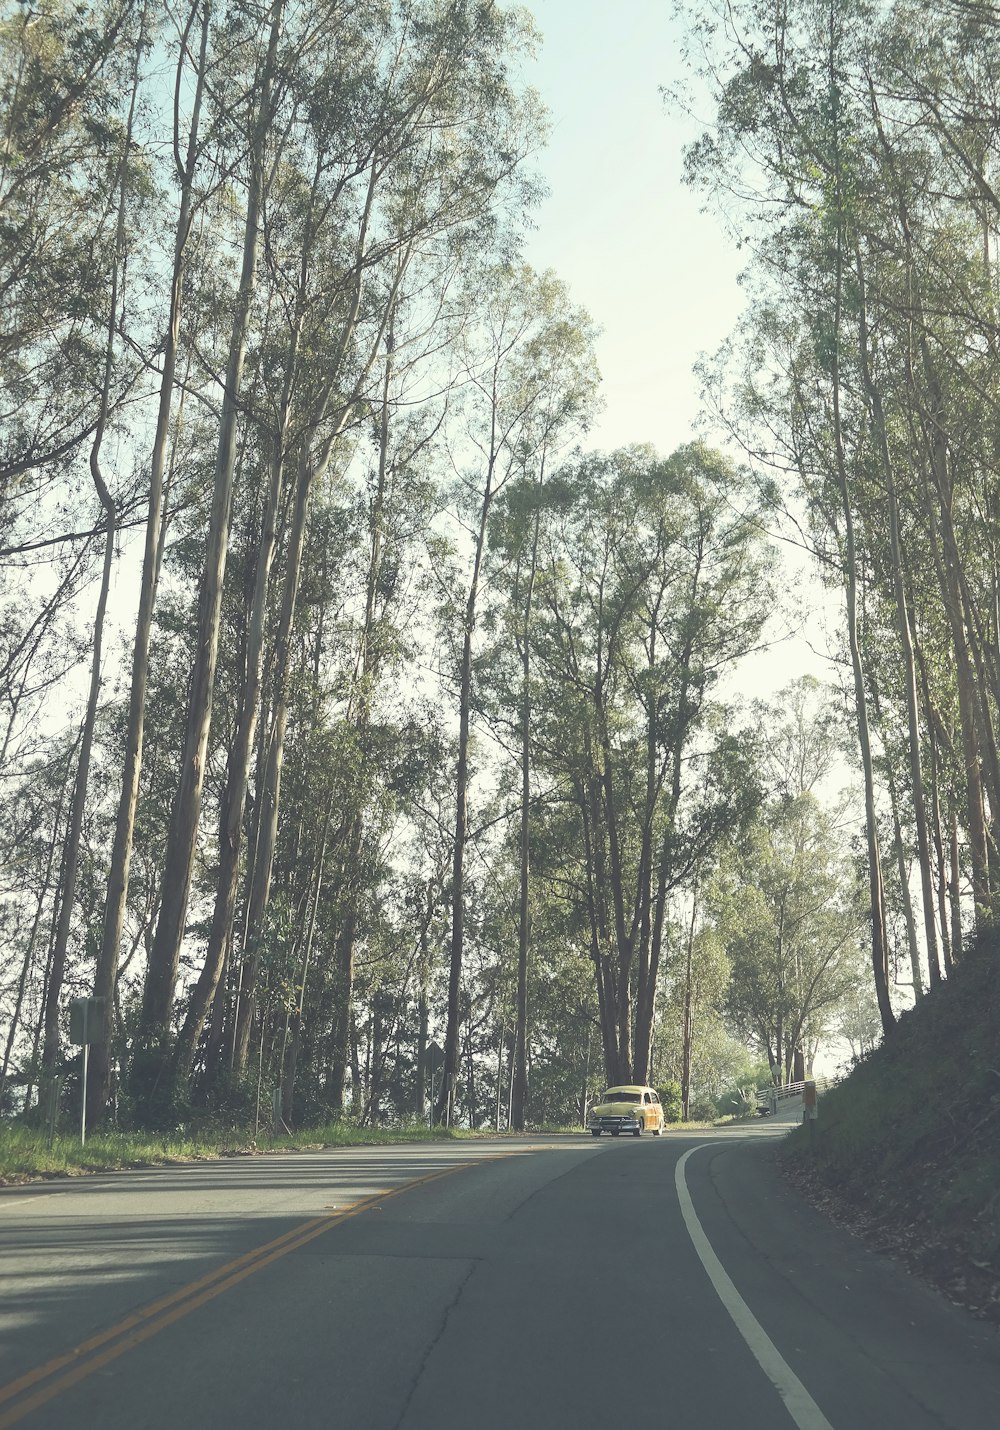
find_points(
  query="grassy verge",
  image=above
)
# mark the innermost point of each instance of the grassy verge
(907, 1149)
(25, 1155)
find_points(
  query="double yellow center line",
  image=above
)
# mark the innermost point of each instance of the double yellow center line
(37, 1386)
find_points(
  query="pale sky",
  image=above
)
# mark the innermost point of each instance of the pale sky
(619, 227)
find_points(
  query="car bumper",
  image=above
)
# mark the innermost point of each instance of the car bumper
(613, 1124)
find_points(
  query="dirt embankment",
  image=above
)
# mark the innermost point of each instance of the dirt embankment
(907, 1149)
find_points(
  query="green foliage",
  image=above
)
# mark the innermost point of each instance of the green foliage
(858, 140)
(785, 902)
(649, 584)
(741, 1100)
(669, 1094)
(702, 1109)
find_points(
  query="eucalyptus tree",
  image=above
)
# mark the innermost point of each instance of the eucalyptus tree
(656, 581)
(404, 130)
(691, 1019)
(187, 151)
(432, 167)
(390, 748)
(529, 377)
(917, 95)
(860, 359)
(63, 72)
(119, 216)
(161, 972)
(563, 357)
(73, 193)
(32, 827)
(786, 908)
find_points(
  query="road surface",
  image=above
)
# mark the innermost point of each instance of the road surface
(564, 1282)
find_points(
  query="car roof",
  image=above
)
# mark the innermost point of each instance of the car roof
(626, 1087)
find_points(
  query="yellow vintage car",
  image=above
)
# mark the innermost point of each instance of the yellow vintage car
(630, 1108)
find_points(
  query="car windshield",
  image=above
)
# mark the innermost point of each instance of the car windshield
(616, 1095)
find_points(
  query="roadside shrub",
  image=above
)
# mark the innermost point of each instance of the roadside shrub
(737, 1102)
(669, 1094)
(701, 1110)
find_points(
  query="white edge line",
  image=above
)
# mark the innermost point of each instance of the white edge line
(20, 1201)
(797, 1400)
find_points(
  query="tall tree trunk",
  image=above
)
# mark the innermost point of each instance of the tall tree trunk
(913, 948)
(423, 1020)
(687, 1031)
(593, 866)
(106, 970)
(880, 950)
(646, 1000)
(71, 857)
(241, 755)
(955, 885)
(365, 670)
(312, 468)
(942, 874)
(519, 1090)
(899, 851)
(290, 1050)
(906, 644)
(446, 1098)
(624, 939)
(645, 990)
(36, 922)
(946, 556)
(164, 956)
(938, 498)
(344, 967)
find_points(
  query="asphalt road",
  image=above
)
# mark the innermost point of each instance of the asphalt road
(573, 1282)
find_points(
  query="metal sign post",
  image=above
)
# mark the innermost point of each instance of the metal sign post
(435, 1061)
(83, 1096)
(55, 1088)
(86, 1018)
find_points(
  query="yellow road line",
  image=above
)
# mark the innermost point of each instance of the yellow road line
(162, 1313)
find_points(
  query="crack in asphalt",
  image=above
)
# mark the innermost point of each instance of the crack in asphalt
(434, 1342)
(453, 1304)
(543, 1186)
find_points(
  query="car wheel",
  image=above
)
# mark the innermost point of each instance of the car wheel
(657, 1131)
(615, 1131)
(637, 1131)
(595, 1132)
